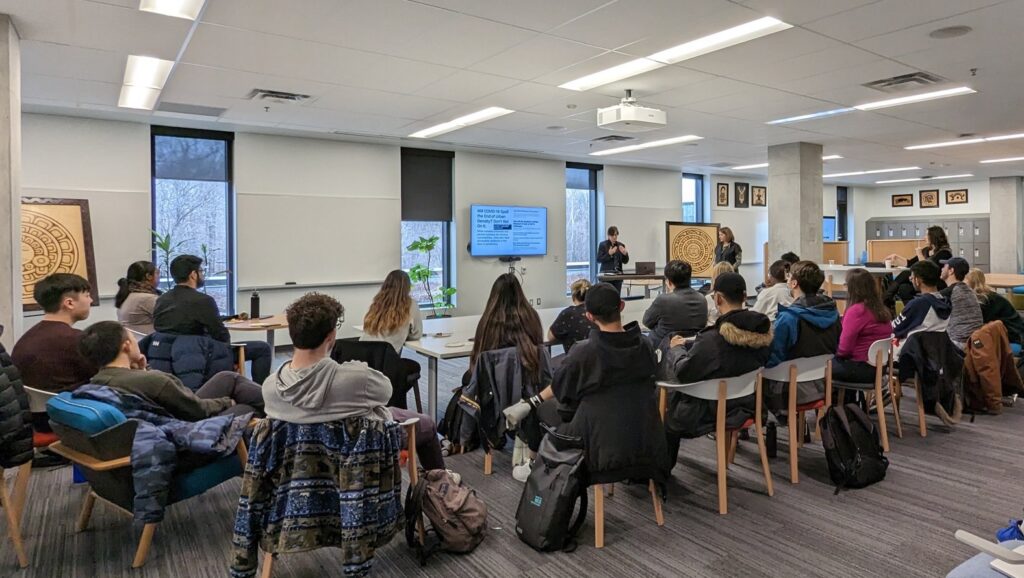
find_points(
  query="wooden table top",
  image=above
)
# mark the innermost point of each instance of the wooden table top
(629, 277)
(278, 321)
(1004, 280)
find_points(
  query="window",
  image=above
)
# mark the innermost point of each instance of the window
(437, 260)
(193, 206)
(580, 222)
(693, 198)
(841, 207)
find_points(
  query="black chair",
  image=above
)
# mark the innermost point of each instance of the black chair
(381, 356)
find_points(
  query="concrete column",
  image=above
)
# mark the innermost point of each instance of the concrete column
(1006, 197)
(10, 181)
(794, 200)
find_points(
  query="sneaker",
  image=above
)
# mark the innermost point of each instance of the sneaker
(958, 409)
(521, 473)
(940, 412)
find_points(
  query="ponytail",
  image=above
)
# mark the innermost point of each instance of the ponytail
(122, 292)
(137, 273)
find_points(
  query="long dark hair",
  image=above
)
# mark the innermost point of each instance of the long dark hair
(508, 320)
(937, 238)
(862, 288)
(391, 305)
(136, 276)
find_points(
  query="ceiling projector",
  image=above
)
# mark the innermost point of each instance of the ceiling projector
(628, 116)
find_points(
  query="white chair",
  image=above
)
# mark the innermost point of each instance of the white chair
(796, 371)
(721, 390)
(880, 357)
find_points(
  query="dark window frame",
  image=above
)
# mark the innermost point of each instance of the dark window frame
(842, 212)
(595, 236)
(698, 195)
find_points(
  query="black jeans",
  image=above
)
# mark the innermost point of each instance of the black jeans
(247, 394)
(428, 448)
(852, 372)
(259, 353)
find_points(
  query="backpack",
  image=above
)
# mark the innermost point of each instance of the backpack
(544, 516)
(852, 447)
(451, 425)
(458, 517)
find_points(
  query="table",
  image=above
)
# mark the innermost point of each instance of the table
(837, 273)
(464, 327)
(630, 278)
(270, 325)
(1004, 280)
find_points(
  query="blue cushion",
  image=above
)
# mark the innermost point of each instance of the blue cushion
(203, 478)
(85, 415)
(1019, 290)
(1015, 348)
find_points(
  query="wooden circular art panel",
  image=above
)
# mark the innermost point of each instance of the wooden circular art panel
(694, 244)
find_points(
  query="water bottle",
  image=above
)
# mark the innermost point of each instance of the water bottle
(863, 257)
(254, 305)
(772, 444)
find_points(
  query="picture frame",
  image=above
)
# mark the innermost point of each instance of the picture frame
(928, 199)
(741, 195)
(723, 194)
(956, 197)
(694, 243)
(903, 200)
(56, 237)
(758, 196)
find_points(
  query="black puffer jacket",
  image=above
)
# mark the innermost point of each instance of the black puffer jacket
(15, 419)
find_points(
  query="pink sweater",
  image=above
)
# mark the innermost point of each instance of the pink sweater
(860, 330)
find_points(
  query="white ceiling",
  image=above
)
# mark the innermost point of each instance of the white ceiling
(383, 69)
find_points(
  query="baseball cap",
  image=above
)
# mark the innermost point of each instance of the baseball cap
(732, 286)
(959, 265)
(602, 300)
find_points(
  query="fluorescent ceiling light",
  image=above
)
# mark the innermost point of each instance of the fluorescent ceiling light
(647, 145)
(462, 122)
(147, 71)
(924, 179)
(141, 97)
(831, 157)
(694, 48)
(954, 143)
(178, 8)
(872, 172)
(763, 165)
(811, 116)
(1007, 160)
(916, 98)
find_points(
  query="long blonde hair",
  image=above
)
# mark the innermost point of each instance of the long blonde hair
(392, 305)
(721, 267)
(975, 279)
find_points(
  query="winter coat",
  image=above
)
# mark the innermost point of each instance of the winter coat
(15, 419)
(738, 343)
(158, 440)
(193, 359)
(989, 372)
(605, 390)
(995, 307)
(926, 312)
(932, 357)
(307, 486)
(808, 328)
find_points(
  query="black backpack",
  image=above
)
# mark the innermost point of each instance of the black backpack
(451, 425)
(852, 447)
(544, 516)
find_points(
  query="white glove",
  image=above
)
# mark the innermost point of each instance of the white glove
(517, 413)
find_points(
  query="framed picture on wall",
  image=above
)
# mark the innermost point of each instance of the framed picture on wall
(742, 191)
(903, 200)
(723, 194)
(693, 243)
(956, 197)
(56, 237)
(929, 199)
(759, 196)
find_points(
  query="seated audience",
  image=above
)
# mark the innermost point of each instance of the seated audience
(807, 328)
(929, 311)
(136, 297)
(866, 321)
(509, 320)
(108, 345)
(680, 309)
(313, 388)
(937, 251)
(776, 292)
(965, 317)
(717, 270)
(790, 258)
(572, 324)
(995, 307)
(394, 316)
(47, 354)
(185, 311)
(739, 342)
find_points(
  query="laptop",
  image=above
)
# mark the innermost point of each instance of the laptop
(645, 268)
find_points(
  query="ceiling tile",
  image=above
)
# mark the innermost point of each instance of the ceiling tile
(195, 80)
(802, 11)
(466, 86)
(359, 100)
(62, 60)
(533, 14)
(536, 57)
(889, 16)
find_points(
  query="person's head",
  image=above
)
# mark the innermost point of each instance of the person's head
(719, 268)
(975, 279)
(392, 305)
(924, 275)
(140, 273)
(861, 287)
(954, 270)
(790, 257)
(105, 342)
(937, 238)
(613, 233)
(678, 273)
(188, 270)
(805, 278)
(64, 294)
(725, 235)
(579, 290)
(778, 271)
(604, 306)
(730, 291)
(508, 320)
(313, 321)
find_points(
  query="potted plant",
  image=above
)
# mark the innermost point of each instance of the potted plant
(166, 248)
(441, 304)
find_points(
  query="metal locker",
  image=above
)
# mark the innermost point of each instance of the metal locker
(951, 232)
(906, 230)
(966, 231)
(965, 250)
(982, 255)
(981, 231)
(891, 230)
(877, 227)
(920, 230)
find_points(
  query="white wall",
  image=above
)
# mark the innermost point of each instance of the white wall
(639, 201)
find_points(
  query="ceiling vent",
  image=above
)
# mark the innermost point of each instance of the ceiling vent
(190, 109)
(613, 138)
(906, 82)
(277, 96)
(721, 165)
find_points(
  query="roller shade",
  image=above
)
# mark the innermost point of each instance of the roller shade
(426, 185)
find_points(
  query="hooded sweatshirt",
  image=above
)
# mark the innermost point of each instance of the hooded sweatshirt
(926, 312)
(807, 328)
(736, 344)
(327, 391)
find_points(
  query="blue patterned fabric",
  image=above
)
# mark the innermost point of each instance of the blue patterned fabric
(309, 486)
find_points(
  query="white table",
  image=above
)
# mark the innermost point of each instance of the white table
(837, 273)
(463, 328)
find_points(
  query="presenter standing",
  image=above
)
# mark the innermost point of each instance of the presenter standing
(728, 250)
(612, 255)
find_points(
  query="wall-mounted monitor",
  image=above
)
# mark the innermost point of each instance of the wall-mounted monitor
(828, 229)
(508, 231)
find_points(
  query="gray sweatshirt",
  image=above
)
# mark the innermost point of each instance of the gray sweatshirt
(327, 391)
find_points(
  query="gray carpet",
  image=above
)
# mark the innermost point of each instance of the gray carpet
(969, 478)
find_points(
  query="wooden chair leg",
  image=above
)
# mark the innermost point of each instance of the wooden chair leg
(598, 516)
(144, 543)
(241, 360)
(795, 435)
(734, 440)
(818, 415)
(13, 523)
(659, 516)
(762, 448)
(723, 499)
(21, 487)
(268, 565)
(86, 513)
(896, 408)
(921, 425)
(880, 407)
(488, 462)
(611, 490)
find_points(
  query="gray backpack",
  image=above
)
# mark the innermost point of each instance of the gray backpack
(458, 517)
